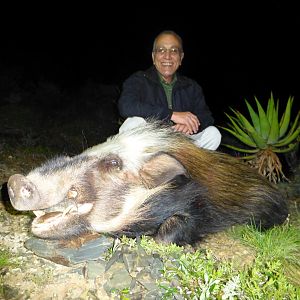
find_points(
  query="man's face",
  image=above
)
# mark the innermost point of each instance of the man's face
(167, 56)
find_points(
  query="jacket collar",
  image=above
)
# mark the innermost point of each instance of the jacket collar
(151, 73)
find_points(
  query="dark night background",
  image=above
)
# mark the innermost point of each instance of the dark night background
(234, 50)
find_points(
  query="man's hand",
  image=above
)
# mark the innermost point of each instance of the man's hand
(185, 122)
(182, 128)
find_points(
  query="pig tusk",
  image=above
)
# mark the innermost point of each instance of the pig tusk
(39, 213)
(70, 208)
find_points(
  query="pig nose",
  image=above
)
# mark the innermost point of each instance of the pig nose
(23, 193)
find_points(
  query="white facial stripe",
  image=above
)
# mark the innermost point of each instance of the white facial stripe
(130, 212)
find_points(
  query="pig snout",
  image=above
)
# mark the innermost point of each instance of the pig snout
(23, 193)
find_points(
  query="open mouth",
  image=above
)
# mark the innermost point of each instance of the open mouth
(51, 217)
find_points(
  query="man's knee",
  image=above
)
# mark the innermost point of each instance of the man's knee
(215, 135)
(209, 138)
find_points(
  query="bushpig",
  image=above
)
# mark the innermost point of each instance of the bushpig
(146, 181)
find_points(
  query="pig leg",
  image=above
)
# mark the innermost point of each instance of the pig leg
(178, 229)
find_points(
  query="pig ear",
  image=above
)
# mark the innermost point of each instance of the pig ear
(160, 169)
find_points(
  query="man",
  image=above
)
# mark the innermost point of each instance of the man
(162, 93)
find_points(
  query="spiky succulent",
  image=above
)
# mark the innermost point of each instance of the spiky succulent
(264, 136)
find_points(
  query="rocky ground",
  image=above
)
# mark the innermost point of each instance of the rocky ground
(81, 270)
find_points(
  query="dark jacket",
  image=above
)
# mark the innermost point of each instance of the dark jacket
(143, 96)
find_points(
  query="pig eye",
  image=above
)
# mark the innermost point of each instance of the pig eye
(111, 163)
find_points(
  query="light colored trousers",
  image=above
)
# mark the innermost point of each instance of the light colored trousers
(209, 138)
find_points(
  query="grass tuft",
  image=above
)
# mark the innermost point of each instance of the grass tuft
(280, 243)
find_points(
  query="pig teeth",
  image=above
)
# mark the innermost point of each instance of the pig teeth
(78, 208)
(69, 209)
(39, 213)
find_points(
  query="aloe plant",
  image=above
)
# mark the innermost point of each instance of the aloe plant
(265, 135)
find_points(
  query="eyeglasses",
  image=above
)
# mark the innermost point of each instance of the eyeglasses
(172, 51)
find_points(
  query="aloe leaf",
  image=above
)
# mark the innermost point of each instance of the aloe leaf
(259, 141)
(248, 157)
(237, 121)
(270, 109)
(254, 117)
(274, 130)
(288, 139)
(241, 149)
(246, 140)
(264, 122)
(237, 126)
(236, 118)
(281, 119)
(286, 118)
(256, 137)
(295, 124)
(277, 108)
(245, 123)
(229, 125)
(288, 149)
